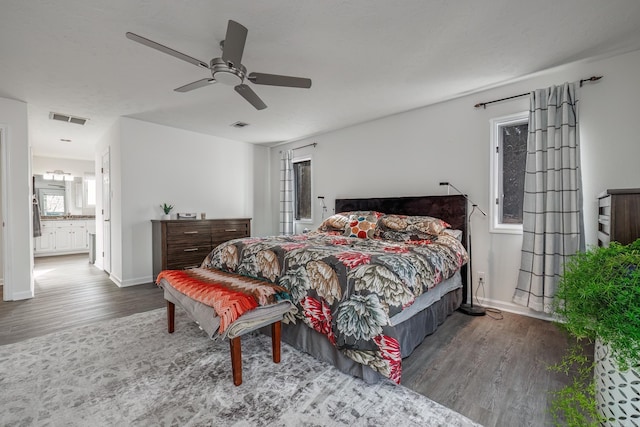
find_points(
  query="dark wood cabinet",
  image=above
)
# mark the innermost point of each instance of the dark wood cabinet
(184, 243)
(619, 216)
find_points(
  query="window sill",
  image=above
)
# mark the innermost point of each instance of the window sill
(506, 229)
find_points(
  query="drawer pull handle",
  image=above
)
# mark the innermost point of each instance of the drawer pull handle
(189, 267)
(191, 250)
(230, 230)
(190, 232)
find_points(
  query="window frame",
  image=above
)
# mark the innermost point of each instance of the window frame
(496, 226)
(295, 191)
(89, 185)
(44, 194)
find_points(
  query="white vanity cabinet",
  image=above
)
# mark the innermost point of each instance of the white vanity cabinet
(63, 236)
(47, 241)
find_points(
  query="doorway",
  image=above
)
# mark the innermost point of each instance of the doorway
(64, 189)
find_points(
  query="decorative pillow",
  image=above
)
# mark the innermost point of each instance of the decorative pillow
(362, 226)
(337, 222)
(375, 214)
(404, 228)
(456, 234)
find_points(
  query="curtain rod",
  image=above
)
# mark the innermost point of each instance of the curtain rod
(484, 104)
(303, 146)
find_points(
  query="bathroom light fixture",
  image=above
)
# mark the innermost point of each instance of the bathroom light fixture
(58, 175)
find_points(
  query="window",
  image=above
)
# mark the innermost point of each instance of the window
(89, 190)
(509, 148)
(302, 189)
(52, 202)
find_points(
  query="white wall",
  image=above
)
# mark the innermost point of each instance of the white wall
(153, 164)
(410, 153)
(3, 167)
(18, 280)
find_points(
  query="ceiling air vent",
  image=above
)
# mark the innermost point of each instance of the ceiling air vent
(239, 124)
(67, 118)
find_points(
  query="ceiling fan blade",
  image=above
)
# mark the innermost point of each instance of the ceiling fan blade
(167, 50)
(234, 43)
(248, 94)
(195, 85)
(276, 80)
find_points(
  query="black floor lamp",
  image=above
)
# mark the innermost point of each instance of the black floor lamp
(469, 308)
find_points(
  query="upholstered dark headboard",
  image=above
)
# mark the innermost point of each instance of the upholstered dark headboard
(452, 209)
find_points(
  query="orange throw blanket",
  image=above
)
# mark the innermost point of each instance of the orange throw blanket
(230, 295)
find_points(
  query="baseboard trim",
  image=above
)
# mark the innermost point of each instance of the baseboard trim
(131, 282)
(55, 253)
(516, 309)
(22, 295)
(115, 280)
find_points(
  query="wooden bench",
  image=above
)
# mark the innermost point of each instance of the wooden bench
(236, 349)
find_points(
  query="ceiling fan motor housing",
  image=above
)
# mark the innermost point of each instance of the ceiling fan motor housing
(227, 73)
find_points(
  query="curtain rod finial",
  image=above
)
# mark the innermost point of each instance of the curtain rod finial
(590, 79)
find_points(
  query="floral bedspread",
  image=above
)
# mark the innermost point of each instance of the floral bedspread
(347, 288)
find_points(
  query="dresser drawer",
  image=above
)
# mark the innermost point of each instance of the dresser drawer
(183, 256)
(618, 211)
(189, 232)
(221, 231)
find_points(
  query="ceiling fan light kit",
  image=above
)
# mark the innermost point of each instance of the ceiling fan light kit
(223, 73)
(228, 69)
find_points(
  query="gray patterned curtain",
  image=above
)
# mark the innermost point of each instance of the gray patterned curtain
(286, 193)
(553, 228)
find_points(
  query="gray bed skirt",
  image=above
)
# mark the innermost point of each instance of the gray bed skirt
(411, 333)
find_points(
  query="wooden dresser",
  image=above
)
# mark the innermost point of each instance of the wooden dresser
(184, 243)
(619, 216)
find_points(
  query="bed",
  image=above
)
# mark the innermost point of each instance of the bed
(369, 285)
(413, 314)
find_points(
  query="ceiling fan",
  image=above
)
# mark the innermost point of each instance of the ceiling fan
(228, 69)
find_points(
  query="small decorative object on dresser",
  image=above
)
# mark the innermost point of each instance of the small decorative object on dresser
(180, 244)
(167, 210)
(186, 215)
(619, 216)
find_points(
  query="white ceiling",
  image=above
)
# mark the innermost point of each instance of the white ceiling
(367, 59)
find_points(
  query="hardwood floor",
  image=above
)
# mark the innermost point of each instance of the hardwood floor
(492, 371)
(69, 291)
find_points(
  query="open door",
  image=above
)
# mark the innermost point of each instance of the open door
(106, 212)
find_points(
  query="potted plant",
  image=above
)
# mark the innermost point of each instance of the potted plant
(598, 299)
(167, 210)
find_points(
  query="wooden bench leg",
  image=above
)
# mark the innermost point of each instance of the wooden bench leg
(236, 360)
(276, 328)
(171, 314)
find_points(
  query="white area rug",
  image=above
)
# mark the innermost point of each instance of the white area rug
(130, 371)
